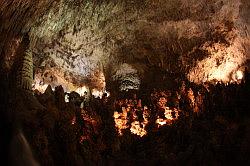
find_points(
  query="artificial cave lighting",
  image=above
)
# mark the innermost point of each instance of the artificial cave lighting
(96, 82)
(124, 82)
(39, 85)
(169, 117)
(82, 90)
(99, 94)
(219, 66)
(41, 88)
(96, 93)
(121, 121)
(66, 98)
(138, 126)
(239, 75)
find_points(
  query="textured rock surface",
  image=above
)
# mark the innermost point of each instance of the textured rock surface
(72, 40)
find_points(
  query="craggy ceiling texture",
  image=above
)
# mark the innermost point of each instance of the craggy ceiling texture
(84, 42)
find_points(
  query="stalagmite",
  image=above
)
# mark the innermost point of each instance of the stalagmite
(25, 72)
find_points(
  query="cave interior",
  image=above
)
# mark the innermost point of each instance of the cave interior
(128, 82)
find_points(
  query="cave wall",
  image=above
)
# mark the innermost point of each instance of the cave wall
(78, 42)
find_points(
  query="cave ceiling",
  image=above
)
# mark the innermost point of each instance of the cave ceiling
(78, 43)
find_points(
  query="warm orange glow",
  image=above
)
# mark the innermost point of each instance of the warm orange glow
(191, 97)
(221, 63)
(139, 128)
(92, 119)
(121, 121)
(170, 117)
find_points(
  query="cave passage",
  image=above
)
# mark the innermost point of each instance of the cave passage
(103, 82)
